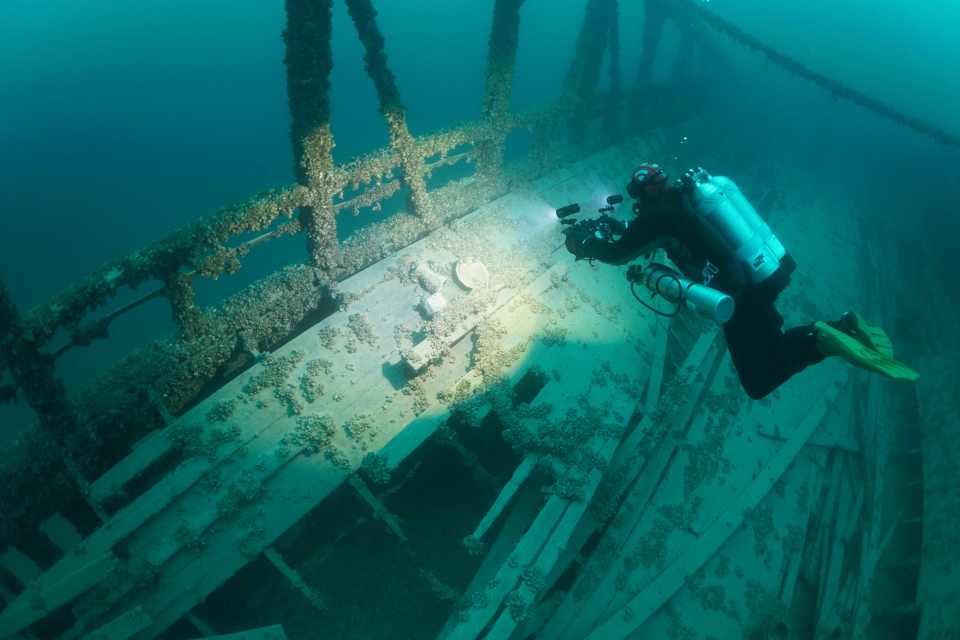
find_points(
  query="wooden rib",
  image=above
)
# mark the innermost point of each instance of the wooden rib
(520, 474)
(295, 580)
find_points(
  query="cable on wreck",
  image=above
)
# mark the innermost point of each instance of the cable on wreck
(837, 89)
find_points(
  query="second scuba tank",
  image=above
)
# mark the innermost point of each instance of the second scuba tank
(733, 224)
(672, 286)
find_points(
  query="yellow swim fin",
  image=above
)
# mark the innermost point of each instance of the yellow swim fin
(862, 345)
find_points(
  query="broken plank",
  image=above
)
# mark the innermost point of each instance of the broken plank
(123, 627)
(552, 526)
(61, 532)
(520, 474)
(148, 450)
(37, 600)
(528, 591)
(528, 504)
(506, 577)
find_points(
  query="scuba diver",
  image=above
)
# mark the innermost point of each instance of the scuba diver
(730, 263)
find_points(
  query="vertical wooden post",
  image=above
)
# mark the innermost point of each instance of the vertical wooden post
(655, 17)
(33, 373)
(584, 74)
(364, 17)
(611, 117)
(180, 294)
(501, 63)
(309, 60)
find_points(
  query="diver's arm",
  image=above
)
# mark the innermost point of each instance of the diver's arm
(620, 243)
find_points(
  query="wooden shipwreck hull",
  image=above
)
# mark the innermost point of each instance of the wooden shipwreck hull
(318, 458)
(542, 458)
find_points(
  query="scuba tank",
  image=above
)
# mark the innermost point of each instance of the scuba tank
(733, 225)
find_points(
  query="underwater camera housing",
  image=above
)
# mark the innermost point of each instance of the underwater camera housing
(564, 213)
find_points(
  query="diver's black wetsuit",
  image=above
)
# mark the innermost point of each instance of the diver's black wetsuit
(765, 356)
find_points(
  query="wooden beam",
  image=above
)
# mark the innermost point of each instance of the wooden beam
(506, 495)
(36, 602)
(62, 533)
(123, 627)
(295, 580)
(501, 60)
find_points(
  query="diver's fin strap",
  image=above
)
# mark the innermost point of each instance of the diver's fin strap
(875, 337)
(873, 352)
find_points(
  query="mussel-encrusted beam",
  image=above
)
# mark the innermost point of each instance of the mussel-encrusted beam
(364, 17)
(188, 318)
(202, 246)
(33, 372)
(501, 63)
(584, 74)
(309, 60)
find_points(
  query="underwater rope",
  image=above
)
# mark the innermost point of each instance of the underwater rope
(838, 90)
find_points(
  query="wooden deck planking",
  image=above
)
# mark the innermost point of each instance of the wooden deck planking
(198, 511)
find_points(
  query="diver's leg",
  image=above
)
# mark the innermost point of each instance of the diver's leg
(764, 355)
